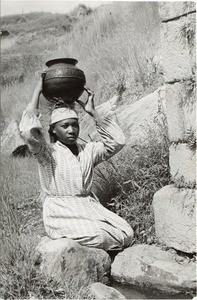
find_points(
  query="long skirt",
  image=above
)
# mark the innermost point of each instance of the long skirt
(87, 221)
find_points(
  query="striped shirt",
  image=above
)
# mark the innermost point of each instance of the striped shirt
(70, 209)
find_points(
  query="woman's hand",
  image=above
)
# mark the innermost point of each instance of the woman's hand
(40, 75)
(34, 104)
(88, 106)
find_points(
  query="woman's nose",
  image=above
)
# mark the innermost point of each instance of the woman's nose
(70, 129)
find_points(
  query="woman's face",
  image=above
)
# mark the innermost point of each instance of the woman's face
(67, 130)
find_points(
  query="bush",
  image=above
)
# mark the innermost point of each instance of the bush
(20, 230)
(127, 183)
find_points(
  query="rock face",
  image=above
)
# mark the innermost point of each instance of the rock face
(100, 291)
(149, 266)
(171, 10)
(178, 50)
(132, 118)
(183, 165)
(11, 139)
(175, 217)
(65, 260)
(174, 206)
(181, 110)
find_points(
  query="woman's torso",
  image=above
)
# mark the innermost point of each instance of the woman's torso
(64, 174)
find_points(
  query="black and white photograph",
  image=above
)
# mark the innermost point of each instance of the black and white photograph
(98, 150)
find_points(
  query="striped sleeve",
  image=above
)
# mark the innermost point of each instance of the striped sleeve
(112, 139)
(31, 131)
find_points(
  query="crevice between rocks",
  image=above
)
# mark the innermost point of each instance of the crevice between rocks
(176, 18)
(180, 80)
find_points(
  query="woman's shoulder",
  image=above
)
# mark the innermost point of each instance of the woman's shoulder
(89, 146)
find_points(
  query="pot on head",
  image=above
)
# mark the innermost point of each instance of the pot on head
(63, 80)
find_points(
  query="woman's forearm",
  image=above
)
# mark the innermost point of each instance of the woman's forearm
(34, 104)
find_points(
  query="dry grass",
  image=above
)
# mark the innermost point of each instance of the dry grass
(126, 184)
(116, 47)
(21, 229)
(116, 43)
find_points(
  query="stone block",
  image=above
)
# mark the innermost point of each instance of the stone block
(175, 217)
(68, 262)
(100, 291)
(148, 266)
(178, 48)
(170, 10)
(132, 118)
(183, 165)
(181, 110)
(11, 139)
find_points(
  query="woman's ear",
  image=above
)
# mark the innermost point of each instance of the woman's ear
(52, 129)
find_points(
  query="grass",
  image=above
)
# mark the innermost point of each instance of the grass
(130, 180)
(28, 53)
(127, 183)
(21, 279)
(120, 41)
(21, 229)
(121, 49)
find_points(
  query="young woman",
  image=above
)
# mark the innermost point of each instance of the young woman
(70, 209)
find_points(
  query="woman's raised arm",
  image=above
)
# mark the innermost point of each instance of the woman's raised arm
(112, 137)
(30, 126)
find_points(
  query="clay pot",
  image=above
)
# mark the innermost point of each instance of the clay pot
(63, 80)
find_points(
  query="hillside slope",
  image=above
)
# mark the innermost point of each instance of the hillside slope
(116, 46)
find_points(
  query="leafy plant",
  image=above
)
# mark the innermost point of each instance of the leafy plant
(132, 179)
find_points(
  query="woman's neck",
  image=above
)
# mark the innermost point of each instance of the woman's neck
(73, 148)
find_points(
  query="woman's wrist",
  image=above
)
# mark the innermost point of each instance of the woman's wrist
(38, 89)
(35, 98)
(93, 113)
(97, 117)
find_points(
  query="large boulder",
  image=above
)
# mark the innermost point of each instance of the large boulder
(100, 291)
(12, 142)
(150, 267)
(132, 118)
(181, 110)
(178, 48)
(182, 162)
(66, 261)
(174, 9)
(175, 217)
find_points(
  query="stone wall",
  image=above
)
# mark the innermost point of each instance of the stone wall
(174, 205)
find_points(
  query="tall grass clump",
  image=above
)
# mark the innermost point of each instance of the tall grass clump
(127, 184)
(20, 230)
(116, 46)
(115, 43)
(18, 211)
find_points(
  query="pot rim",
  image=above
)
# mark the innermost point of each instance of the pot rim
(71, 61)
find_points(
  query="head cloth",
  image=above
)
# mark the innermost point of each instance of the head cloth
(62, 113)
